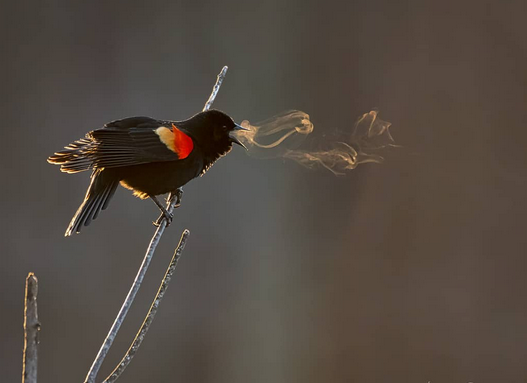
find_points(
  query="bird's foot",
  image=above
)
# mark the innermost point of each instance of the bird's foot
(164, 216)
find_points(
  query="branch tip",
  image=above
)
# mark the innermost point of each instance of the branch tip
(31, 330)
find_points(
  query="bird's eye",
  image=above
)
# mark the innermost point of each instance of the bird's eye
(224, 127)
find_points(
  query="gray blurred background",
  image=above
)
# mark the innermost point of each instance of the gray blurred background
(409, 271)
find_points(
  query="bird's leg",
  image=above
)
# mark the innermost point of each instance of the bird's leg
(177, 194)
(164, 213)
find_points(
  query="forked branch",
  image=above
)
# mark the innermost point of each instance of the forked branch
(127, 358)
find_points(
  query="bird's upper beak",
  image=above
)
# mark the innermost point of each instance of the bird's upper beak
(234, 137)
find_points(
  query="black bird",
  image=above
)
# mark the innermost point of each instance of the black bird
(149, 156)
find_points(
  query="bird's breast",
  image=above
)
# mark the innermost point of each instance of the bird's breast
(160, 177)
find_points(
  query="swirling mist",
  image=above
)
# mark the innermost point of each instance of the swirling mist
(284, 135)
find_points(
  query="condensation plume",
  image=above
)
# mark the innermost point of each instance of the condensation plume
(284, 136)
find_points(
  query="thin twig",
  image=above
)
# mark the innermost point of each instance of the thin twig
(216, 88)
(151, 313)
(31, 329)
(105, 347)
(92, 373)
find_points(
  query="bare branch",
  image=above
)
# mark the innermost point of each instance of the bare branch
(216, 88)
(151, 313)
(31, 330)
(92, 373)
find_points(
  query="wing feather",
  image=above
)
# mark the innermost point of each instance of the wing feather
(127, 142)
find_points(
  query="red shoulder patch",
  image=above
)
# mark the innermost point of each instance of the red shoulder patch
(183, 144)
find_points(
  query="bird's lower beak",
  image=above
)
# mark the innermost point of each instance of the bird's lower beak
(234, 135)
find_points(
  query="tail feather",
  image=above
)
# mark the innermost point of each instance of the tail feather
(91, 209)
(111, 192)
(98, 205)
(100, 191)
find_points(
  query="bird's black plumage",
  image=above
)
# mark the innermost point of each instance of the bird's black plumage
(149, 156)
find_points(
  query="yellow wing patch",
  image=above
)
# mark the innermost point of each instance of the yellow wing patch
(167, 137)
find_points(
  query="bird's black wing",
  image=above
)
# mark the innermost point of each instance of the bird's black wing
(127, 142)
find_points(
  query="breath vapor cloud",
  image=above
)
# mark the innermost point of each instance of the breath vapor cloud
(284, 135)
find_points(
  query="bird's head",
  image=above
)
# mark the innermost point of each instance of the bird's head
(213, 131)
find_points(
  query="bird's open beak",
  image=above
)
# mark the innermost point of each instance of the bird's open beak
(234, 136)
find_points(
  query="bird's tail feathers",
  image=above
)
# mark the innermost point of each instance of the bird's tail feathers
(101, 190)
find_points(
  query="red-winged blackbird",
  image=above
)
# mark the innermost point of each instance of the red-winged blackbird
(149, 156)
